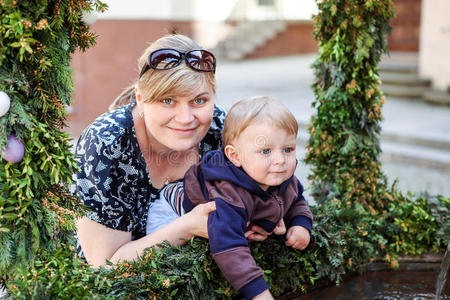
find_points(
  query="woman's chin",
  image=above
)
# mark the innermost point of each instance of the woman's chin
(182, 146)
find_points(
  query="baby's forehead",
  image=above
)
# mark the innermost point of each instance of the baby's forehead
(265, 124)
(266, 131)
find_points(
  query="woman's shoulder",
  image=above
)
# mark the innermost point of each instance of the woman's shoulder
(110, 126)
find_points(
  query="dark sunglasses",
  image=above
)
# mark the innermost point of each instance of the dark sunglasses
(167, 58)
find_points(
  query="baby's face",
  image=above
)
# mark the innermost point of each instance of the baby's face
(266, 153)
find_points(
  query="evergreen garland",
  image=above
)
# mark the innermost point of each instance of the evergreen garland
(343, 241)
(36, 39)
(343, 148)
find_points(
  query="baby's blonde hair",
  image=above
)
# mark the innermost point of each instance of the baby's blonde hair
(156, 84)
(259, 109)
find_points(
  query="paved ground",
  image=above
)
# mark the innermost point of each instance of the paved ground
(415, 137)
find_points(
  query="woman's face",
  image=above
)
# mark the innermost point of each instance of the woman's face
(180, 122)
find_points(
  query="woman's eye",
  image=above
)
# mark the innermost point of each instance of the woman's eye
(199, 101)
(167, 101)
(288, 150)
(265, 151)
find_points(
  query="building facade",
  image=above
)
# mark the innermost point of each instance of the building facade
(232, 29)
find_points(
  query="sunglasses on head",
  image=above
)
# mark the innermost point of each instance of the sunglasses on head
(167, 58)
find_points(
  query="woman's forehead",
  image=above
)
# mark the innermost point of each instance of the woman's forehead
(192, 91)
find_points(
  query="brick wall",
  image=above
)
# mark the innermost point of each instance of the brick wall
(103, 71)
(405, 26)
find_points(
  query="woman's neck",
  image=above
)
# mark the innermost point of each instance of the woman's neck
(162, 155)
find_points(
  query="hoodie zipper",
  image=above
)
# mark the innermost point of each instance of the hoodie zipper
(280, 205)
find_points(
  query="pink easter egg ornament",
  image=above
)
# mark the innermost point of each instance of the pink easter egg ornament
(14, 150)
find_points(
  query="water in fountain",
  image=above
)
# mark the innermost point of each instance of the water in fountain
(443, 274)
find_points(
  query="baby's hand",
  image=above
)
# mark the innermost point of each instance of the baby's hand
(280, 229)
(297, 237)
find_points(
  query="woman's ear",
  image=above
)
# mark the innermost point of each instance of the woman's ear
(137, 92)
(232, 155)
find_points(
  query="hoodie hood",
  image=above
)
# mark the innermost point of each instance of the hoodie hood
(216, 166)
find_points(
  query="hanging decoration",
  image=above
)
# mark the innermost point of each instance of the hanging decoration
(14, 151)
(5, 103)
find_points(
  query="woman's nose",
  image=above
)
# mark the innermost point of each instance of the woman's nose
(184, 114)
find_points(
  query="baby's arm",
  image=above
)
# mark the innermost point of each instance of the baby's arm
(173, 194)
(266, 295)
(299, 222)
(229, 247)
(297, 237)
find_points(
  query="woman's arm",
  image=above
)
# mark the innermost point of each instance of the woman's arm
(100, 243)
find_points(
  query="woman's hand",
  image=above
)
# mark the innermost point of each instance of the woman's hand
(198, 218)
(258, 234)
(280, 229)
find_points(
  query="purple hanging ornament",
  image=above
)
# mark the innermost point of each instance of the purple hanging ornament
(5, 103)
(14, 151)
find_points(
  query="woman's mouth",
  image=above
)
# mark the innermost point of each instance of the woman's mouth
(183, 131)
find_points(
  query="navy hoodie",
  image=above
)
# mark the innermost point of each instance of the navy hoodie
(239, 199)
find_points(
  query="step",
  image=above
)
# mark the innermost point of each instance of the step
(401, 56)
(398, 152)
(413, 92)
(409, 79)
(246, 37)
(397, 67)
(437, 97)
(427, 150)
(439, 142)
(416, 155)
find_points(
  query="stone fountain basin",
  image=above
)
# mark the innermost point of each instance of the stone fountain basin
(415, 278)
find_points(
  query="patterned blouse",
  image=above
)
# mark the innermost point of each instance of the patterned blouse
(114, 181)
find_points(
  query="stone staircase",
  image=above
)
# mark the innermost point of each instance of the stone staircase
(245, 37)
(399, 74)
(437, 96)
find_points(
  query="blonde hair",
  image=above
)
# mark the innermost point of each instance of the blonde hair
(257, 109)
(156, 84)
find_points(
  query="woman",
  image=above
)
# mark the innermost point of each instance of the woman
(157, 129)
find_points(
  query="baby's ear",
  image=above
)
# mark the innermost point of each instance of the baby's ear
(232, 155)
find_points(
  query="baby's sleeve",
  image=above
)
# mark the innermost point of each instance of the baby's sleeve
(229, 246)
(173, 193)
(299, 213)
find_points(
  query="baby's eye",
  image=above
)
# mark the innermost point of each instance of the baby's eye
(167, 101)
(265, 151)
(288, 149)
(199, 101)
